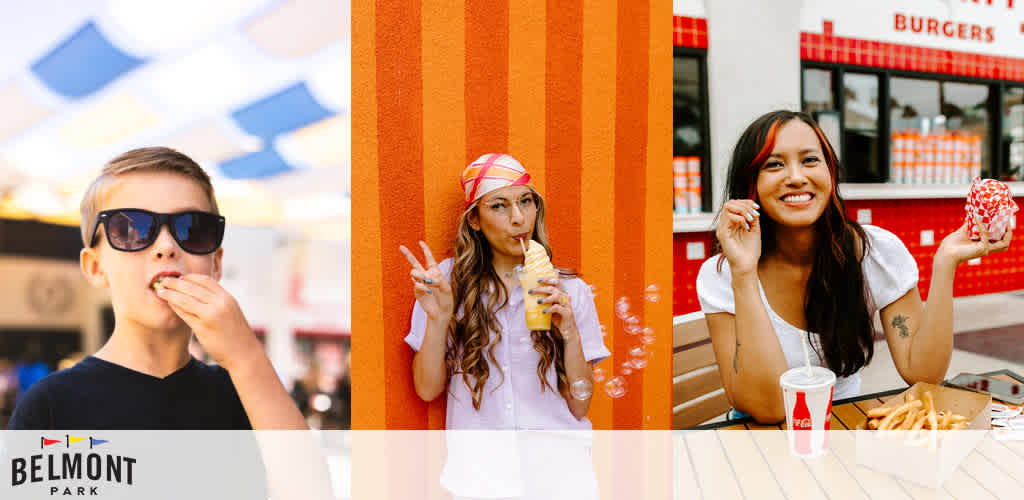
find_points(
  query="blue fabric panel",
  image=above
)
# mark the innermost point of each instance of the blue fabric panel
(287, 110)
(83, 63)
(257, 165)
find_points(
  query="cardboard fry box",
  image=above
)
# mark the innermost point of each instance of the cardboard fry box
(925, 457)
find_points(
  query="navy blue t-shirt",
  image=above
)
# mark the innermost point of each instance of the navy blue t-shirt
(100, 395)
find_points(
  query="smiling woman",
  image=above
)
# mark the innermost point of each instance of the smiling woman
(793, 267)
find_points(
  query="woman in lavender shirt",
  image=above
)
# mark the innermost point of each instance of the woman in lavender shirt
(498, 375)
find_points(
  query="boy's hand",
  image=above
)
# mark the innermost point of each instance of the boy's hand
(214, 316)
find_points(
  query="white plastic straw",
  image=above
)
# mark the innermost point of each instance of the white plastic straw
(807, 355)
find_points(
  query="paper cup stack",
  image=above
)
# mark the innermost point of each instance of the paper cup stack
(992, 202)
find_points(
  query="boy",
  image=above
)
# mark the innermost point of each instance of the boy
(152, 235)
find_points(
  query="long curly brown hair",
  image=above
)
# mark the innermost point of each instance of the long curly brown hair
(479, 294)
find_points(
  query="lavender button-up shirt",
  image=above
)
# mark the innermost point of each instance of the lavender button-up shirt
(518, 401)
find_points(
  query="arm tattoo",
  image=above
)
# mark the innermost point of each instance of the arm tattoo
(736, 357)
(900, 321)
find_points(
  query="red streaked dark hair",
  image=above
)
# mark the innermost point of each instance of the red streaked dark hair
(755, 165)
(835, 302)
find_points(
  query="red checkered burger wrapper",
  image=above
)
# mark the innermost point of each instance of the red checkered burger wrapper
(992, 202)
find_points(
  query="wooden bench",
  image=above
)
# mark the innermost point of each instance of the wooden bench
(697, 393)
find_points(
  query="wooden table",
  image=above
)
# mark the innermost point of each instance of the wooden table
(711, 463)
(846, 413)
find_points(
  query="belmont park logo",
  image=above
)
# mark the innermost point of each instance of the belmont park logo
(73, 463)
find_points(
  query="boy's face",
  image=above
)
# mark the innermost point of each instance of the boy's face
(129, 275)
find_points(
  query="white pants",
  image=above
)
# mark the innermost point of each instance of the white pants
(520, 465)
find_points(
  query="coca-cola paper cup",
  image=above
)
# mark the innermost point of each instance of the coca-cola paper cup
(808, 400)
(992, 202)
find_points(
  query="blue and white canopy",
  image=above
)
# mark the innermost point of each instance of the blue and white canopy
(257, 91)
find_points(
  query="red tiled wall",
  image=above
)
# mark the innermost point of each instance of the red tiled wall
(835, 49)
(690, 32)
(906, 219)
(684, 291)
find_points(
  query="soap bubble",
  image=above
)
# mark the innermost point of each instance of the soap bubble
(626, 368)
(622, 307)
(652, 293)
(639, 357)
(647, 336)
(615, 387)
(632, 325)
(598, 374)
(581, 389)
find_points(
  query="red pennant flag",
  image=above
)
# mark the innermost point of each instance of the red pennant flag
(48, 442)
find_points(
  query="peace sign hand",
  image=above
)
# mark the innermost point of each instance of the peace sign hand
(431, 288)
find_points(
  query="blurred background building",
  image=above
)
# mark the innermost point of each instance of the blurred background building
(256, 91)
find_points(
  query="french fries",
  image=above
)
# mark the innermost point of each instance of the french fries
(914, 415)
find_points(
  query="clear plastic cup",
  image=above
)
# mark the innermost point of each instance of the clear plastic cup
(536, 318)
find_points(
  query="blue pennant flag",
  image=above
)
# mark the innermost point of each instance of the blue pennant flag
(96, 442)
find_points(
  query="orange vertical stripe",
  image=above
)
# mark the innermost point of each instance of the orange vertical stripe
(400, 163)
(597, 179)
(564, 136)
(368, 408)
(444, 133)
(487, 34)
(368, 373)
(630, 173)
(526, 97)
(658, 246)
(657, 399)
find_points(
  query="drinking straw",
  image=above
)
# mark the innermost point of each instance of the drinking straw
(807, 355)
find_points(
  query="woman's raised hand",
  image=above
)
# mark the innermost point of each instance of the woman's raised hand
(739, 233)
(431, 287)
(960, 248)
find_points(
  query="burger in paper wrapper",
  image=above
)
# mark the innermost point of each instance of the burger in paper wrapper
(992, 202)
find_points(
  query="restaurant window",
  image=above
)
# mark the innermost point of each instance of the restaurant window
(1011, 146)
(939, 131)
(860, 128)
(690, 128)
(818, 95)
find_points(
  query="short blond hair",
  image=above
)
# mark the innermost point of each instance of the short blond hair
(152, 159)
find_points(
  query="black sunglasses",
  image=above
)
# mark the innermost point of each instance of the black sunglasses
(134, 229)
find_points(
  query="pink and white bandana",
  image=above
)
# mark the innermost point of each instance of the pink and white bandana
(492, 171)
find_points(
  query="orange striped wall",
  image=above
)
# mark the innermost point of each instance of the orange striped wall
(580, 92)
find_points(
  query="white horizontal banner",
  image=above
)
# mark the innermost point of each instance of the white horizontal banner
(598, 465)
